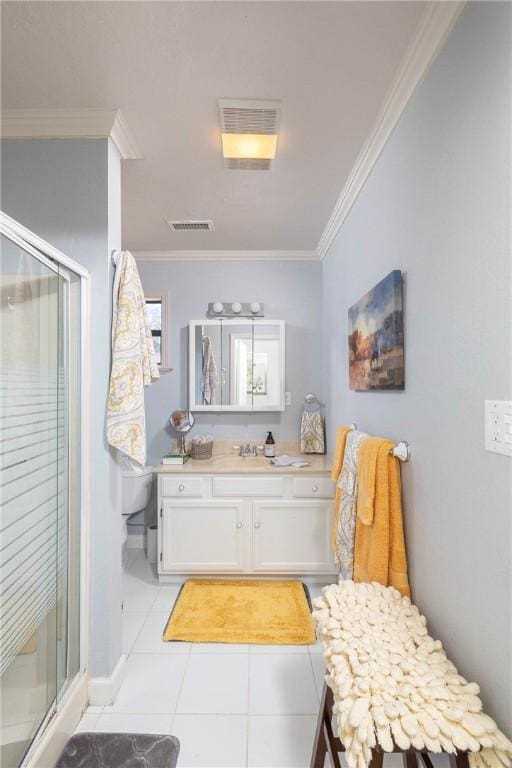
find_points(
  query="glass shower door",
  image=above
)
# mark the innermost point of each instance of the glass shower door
(69, 481)
(39, 492)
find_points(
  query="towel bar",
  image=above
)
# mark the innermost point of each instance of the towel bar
(401, 450)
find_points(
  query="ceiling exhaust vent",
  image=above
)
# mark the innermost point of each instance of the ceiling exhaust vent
(189, 226)
(247, 164)
(249, 117)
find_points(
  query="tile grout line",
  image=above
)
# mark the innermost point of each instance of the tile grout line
(180, 690)
(187, 655)
(135, 560)
(248, 708)
(97, 715)
(313, 673)
(138, 633)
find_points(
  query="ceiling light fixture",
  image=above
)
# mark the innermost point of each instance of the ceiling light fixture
(249, 130)
(254, 146)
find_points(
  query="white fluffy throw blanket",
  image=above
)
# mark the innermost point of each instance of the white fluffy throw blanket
(392, 682)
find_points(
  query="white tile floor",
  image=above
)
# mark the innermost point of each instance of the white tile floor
(231, 706)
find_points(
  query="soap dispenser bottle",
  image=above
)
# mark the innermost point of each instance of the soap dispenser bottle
(270, 446)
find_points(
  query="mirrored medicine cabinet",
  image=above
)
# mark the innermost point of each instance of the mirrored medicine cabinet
(236, 365)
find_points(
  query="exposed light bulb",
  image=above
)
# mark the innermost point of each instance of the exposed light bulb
(255, 307)
(218, 307)
(236, 307)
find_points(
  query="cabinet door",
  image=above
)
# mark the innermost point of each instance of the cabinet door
(292, 537)
(203, 536)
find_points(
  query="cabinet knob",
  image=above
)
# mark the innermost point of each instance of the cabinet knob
(256, 525)
(181, 487)
(239, 524)
(314, 488)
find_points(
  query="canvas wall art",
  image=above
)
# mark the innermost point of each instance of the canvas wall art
(376, 337)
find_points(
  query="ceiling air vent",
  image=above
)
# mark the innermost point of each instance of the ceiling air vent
(197, 226)
(247, 164)
(250, 117)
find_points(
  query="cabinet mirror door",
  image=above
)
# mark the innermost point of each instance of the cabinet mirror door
(237, 365)
(205, 369)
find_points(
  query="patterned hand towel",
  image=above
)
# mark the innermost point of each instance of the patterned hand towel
(312, 435)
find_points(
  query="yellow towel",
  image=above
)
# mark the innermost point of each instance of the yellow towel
(379, 553)
(337, 464)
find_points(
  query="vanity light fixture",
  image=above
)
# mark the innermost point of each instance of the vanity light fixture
(235, 309)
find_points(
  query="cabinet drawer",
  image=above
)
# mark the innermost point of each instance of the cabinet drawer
(313, 488)
(182, 486)
(244, 487)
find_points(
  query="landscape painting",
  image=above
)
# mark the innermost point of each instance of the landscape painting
(376, 337)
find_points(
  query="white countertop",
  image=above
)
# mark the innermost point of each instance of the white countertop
(230, 464)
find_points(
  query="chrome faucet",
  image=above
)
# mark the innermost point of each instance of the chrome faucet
(248, 451)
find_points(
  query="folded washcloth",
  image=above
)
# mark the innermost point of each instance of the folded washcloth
(289, 461)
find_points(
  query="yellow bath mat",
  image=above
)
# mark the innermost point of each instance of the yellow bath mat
(241, 611)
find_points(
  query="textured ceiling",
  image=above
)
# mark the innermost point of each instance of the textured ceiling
(165, 64)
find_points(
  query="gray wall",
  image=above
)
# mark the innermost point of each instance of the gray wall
(437, 206)
(291, 291)
(68, 192)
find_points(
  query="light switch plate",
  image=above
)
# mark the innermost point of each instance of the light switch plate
(287, 398)
(498, 426)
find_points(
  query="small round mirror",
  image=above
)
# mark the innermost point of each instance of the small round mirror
(182, 421)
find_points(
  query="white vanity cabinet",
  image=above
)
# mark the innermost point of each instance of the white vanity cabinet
(291, 537)
(244, 524)
(203, 536)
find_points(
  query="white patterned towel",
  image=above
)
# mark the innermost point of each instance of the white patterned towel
(134, 363)
(345, 535)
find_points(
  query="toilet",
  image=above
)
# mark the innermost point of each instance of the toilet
(136, 493)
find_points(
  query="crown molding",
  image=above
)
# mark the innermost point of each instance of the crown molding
(226, 255)
(431, 33)
(71, 124)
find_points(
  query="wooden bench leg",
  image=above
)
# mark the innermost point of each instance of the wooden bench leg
(459, 760)
(410, 759)
(426, 759)
(319, 744)
(377, 758)
(325, 741)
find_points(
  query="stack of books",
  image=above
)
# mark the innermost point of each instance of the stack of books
(174, 458)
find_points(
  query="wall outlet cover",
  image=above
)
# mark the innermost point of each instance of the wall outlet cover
(498, 426)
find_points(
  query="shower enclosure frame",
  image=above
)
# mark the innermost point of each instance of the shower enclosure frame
(65, 712)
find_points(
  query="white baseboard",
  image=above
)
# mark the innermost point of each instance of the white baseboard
(136, 541)
(103, 690)
(320, 580)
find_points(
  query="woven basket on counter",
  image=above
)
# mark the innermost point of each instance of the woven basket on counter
(201, 450)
